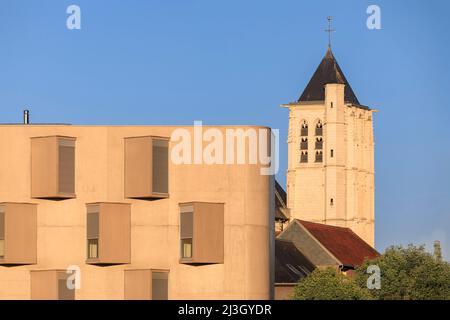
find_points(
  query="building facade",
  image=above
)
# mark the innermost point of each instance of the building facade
(107, 204)
(330, 176)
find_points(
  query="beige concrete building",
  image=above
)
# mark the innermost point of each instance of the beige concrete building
(107, 201)
(330, 176)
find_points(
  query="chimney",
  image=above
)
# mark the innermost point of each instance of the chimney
(26, 116)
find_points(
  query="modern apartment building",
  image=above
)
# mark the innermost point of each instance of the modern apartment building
(105, 209)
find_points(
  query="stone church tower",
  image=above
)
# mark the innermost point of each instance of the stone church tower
(330, 177)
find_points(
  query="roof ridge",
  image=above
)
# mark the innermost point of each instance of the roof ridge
(326, 225)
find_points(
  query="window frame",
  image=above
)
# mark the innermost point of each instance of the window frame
(319, 143)
(319, 129)
(187, 210)
(95, 244)
(319, 156)
(304, 128)
(304, 143)
(160, 143)
(93, 210)
(64, 144)
(304, 156)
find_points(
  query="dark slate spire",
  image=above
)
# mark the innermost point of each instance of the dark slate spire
(327, 72)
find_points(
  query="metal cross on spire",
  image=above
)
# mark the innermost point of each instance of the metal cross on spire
(329, 30)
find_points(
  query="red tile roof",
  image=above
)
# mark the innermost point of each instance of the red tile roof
(343, 243)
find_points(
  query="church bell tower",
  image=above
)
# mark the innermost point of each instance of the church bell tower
(330, 176)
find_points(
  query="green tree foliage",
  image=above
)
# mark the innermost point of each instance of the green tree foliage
(408, 274)
(329, 284)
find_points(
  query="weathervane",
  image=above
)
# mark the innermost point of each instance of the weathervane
(329, 30)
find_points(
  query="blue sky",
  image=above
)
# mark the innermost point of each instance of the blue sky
(235, 62)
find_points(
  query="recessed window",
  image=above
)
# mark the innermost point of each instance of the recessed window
(304, 129)
(304, 143)
(319, 143)
(319, 128)
(160, 285)
(160, 162)
(64, 292)
(92, 248)
(66, 166)
(331, 105)
(186, 233)
(319, 156)
(331, 153)
(186, 245)
(92, 232)
(304, 157)
(331, 202)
